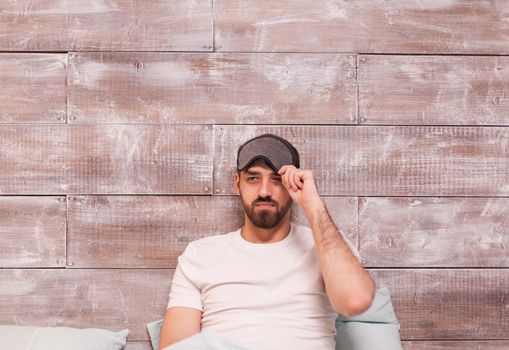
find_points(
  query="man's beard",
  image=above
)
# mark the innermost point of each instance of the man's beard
(265, 217)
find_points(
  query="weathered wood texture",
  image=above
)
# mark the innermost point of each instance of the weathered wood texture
(270, 88)
(385, 160)
(422, 192)
(33, 88)
(149, 25)
(130, 159)
(32, 231)
(133, 231)
(364, 160)
(457, 345)
(434, 90)
(99, 298)
(449, 304)
(189, 88)
(152, 231)
(143, 345)
(424, 231)
(456, 26)
(430, 304)
(452, 26)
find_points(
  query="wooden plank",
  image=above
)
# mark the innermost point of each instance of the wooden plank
(123, 25)
(441, 304)
(33, 88)
(433, 90)
(457, 345)
(384, 160)
(99, 298)
(138, 345)
(126, 159)
(454, 26)
(32, 231)
(212, 88)
(438, 232)
(152, 231)
(436, 304)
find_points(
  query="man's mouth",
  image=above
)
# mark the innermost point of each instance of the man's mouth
(264, 204)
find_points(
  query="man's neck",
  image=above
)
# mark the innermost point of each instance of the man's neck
(254, 234)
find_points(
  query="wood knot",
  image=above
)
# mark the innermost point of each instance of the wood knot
(139, 66)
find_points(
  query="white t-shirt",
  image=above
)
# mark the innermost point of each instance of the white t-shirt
(260, 295)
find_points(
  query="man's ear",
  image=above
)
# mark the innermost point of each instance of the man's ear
(236, 179)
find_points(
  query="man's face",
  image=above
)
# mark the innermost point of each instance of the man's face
(263, 195)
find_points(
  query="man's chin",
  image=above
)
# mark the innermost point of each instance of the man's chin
(264, 223)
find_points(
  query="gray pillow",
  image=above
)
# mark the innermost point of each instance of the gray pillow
(376, 328)
(61, 338)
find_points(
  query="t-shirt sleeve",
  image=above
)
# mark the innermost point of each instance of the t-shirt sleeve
(185, 288)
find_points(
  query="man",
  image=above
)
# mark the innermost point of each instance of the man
(270, 284)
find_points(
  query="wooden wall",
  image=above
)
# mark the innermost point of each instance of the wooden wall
(120, 120)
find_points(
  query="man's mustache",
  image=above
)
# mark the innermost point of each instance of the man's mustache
(266, 201)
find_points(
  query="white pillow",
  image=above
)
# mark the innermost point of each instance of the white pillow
(61, 338)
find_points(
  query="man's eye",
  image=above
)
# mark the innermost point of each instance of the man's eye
(251, 178)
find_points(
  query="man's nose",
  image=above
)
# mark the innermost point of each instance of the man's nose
(265, 189)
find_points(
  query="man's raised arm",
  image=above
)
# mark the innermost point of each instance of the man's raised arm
(349, 287)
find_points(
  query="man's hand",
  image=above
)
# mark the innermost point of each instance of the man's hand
(301, 186)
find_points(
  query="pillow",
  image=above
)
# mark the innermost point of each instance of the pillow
(61, 338)
(376, 328)
(154, 329)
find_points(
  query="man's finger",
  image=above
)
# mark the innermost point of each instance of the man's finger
(293, 176)
(290, 179)
(298, 180)
(282, 170)
(285, 180)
